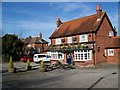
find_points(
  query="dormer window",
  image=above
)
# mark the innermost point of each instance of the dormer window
(111, 33)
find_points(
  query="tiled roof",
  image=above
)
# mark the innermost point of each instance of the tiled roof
(47, 48)
(114, 42)
(27, 40)
(77, 26)
(35, 40)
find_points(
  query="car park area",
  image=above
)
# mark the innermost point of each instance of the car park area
(103, 76)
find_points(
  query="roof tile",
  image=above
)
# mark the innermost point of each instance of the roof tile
(77, 26)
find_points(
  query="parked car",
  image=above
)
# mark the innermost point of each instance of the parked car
(39, 57)
(25, 58)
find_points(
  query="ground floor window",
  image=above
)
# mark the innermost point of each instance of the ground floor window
(57, 55)
(82, 55)
(110, 52)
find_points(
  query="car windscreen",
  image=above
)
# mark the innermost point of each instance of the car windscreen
(40, 56)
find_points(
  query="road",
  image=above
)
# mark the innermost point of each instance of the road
(99, 77)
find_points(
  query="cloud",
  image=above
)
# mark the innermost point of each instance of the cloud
(73, 9)
(70, 7)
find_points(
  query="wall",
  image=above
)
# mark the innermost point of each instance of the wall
(115, 58)
(102, 40)
(77, 39)
(84, 63)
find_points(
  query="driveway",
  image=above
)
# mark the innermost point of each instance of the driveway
(99, 77)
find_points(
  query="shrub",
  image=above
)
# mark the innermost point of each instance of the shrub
(28, 62)
(42, 64)
(11, 65)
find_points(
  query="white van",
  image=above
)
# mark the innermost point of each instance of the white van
(39, 57)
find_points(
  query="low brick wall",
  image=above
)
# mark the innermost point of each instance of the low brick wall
(84, 63)
(54, 61)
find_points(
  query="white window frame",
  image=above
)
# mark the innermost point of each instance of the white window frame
(111, 33)
(83, 38)
(54, 56)
(69, 39)
(58, 41)
(110, 52)
(80, 55)
(105, 52)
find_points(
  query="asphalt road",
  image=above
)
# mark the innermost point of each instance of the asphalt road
(100, 77)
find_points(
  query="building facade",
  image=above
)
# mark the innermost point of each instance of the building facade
(85, 40)
(34, 45)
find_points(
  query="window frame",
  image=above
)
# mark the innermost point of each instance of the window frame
(56, 54)
(58, 41)
(111, 33)
(82, 55)
(109, 54)
(81, 39)
(69, 39)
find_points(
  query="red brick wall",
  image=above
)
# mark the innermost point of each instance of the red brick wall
(84, 63)
(52, 41)
(77, 39)
(115, 58)
(102, 40)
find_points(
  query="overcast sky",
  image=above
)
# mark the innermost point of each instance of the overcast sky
(30, 18)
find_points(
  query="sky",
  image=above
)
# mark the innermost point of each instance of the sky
(30, 18)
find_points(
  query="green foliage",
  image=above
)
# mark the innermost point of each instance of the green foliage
(42, 64)
(11, 46)
(28, 62)
(11, 65)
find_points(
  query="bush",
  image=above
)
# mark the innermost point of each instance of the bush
(28, 62)
(28, 67)
(11, 65)
(42, 64)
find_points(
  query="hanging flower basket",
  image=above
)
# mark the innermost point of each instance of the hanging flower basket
(63, 40)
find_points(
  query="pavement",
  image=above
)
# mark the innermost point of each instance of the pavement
(103, 76)
(18, 64)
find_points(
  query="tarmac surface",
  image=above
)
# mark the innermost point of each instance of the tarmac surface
(102, 76)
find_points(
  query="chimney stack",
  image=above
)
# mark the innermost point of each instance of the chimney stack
(99, 11)
(40, 36)
(58, 22)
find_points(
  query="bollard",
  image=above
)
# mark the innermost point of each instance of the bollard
(42, 66)
(28, 67)
(11, 68)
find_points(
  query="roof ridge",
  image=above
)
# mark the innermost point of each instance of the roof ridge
(78, 26)
(80, 18)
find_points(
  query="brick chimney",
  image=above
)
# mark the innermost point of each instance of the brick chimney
(58, 22)
(40, 36)
(99, 11)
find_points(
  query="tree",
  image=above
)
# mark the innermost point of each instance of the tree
(11, 46)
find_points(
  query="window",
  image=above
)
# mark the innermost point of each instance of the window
(105, 52)
(58, 41)
(40, 56)
(111, 33)
(69, 39)
(110, 52)
(82, 55)
(83, 38)
(57, 55)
